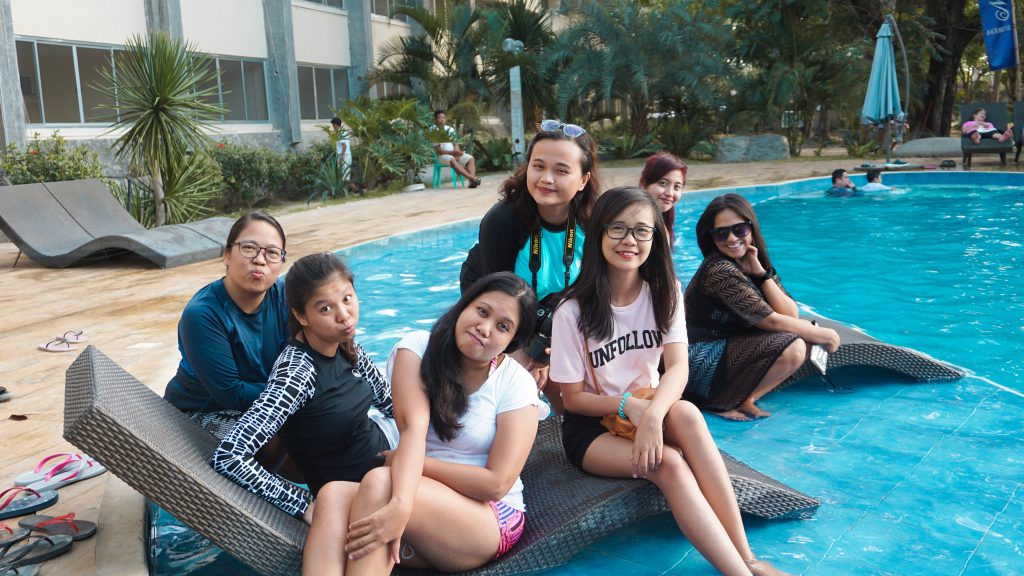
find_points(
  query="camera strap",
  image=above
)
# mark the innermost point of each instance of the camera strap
(567, 254)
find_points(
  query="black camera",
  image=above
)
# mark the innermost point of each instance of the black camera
(537, 346)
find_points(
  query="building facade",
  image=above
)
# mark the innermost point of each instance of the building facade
(283, 64)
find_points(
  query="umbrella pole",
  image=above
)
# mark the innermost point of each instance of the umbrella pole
(888, 145)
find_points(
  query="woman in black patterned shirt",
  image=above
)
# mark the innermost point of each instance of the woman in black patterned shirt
(745, 333)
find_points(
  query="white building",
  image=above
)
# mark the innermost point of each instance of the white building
(284, 64)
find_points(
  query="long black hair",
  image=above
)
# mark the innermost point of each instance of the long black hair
(740, 206)
(441, 368)
(515, 193)
(592, 290)
(304, 278)
(657, 167)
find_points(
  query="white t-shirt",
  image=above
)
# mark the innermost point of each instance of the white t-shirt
(874, 187)
(448, 146)
(343, 148)
(509, 387)
(626, 361)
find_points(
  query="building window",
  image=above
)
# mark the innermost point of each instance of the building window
(390, 90)
(321, 90)
(331, 3)
(242, 90)
(58, 83)
(384, 8)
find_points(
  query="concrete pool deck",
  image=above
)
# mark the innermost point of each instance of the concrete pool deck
(130, 311)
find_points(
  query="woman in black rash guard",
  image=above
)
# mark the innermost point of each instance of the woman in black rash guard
(543, 210)
(318, 395)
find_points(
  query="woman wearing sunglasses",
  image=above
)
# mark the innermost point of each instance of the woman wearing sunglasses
(745, 334)
(536, 229)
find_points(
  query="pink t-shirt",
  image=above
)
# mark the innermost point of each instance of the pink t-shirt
(626, 361)
(975, 126)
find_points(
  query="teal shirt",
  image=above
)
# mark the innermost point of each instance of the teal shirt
(551, 276)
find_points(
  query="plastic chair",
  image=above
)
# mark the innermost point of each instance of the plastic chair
(456, 177)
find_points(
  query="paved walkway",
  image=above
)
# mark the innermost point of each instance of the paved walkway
(130, 311)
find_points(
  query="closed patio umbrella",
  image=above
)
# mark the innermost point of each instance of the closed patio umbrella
(882, 101)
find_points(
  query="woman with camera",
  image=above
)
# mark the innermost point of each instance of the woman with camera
(536, 229)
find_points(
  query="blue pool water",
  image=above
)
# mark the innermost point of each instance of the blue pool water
(914, 478)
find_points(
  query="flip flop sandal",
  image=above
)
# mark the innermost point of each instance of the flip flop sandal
(57, 345)
(5, 395)
(49, 467)
(38, 549)
(6, 570)
(72, 336)
(11, 505)
(65, 525)
(10, 536)
(78, 470)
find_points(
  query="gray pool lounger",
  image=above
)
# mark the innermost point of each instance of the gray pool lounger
(156, 450)
(60, 223)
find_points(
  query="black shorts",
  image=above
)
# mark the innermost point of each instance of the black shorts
(578, 433)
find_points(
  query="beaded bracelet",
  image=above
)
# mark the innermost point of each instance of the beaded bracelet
(622, 405)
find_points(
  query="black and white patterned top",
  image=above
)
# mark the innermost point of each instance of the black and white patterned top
(317, 405)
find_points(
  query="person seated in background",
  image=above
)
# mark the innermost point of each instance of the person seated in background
(449, 153)
(841, 185)
(979, 128)
(874, 182)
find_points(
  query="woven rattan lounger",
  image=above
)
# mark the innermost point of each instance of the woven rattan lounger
(158, 451)
(60, 223)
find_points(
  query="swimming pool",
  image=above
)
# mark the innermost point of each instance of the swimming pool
(914, 478)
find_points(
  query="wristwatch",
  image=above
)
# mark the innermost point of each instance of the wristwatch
(758, 280)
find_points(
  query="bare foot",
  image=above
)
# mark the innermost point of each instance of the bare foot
(752, 410)
(1005, 136)
(762, 568)
(976, 138)
(734, 415)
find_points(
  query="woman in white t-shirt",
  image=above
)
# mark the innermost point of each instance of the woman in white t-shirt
(623, 314)
(467, 414)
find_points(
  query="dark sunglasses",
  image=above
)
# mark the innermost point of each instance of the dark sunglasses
(740, 230)
(570, 130)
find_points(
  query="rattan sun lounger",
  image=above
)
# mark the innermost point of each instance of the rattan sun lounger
(156, 450)
(859, 349)
(60, 223)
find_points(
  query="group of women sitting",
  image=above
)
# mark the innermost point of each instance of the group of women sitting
(568, 290)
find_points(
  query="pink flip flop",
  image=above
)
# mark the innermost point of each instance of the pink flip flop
(57, 345)
(72, 336)
(31, 501)
(51, 466)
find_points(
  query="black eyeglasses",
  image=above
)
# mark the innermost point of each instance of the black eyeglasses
(619, 231)
(250, 250)
(570, 130)
(741, 230)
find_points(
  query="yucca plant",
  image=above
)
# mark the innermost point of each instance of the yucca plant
(161, 106)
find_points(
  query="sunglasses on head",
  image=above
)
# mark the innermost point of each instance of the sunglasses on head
(740, 230)
(570, 130)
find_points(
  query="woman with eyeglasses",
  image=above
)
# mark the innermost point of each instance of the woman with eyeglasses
(745, 333)
(233, 329)
(536, 229)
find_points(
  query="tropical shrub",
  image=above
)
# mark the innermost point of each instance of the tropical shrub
(331, 180)
(390, 140)
(251, 173)
(303, 169)
(49, 160)
(493, 154)
(191, 184)
(625, 146)
(680, 136)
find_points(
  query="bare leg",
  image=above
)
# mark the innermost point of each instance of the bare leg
(471, 167)
(685, 427)
(325, 546)
(460, 169)
(791, 359)
(610, 456)
(1005, 136)
(469, 539)
(976, 137)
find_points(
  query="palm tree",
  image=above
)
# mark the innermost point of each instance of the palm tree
(161, 106)
(440, 64)
(529, 22)
(640, 55)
